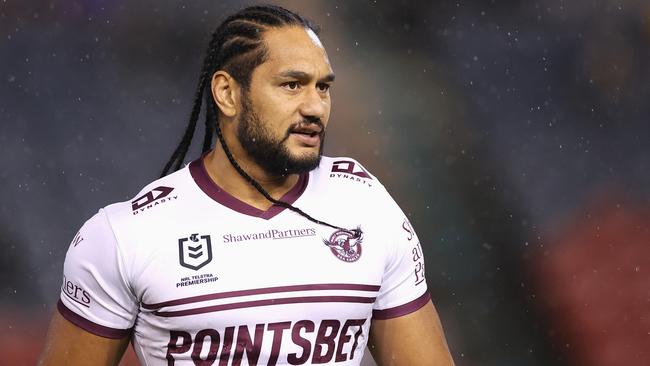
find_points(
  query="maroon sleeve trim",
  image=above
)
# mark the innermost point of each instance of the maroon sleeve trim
(402, 310)
(89, 326)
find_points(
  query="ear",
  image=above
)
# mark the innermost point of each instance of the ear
(225, 91)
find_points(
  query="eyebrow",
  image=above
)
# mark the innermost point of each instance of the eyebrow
(300, 75)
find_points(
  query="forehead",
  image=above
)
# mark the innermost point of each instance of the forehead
(295, 48)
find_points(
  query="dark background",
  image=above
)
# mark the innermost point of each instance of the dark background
(513, 133)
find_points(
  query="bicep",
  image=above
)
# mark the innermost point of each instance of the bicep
(413, 339)
(67, 344)
(97, 309)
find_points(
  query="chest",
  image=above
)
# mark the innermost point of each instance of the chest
(268, 291)
(277, 267)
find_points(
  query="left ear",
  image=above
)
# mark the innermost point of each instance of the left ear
(225, 92)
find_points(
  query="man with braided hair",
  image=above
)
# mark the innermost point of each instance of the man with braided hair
(243, 256)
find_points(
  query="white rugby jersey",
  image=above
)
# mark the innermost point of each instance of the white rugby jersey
(196, 276)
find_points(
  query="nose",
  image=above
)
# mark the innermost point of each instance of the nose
(314, 105)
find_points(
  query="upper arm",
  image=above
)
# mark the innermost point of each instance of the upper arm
(405, 328)
(96, 309)
(67, 344)
(413, 339)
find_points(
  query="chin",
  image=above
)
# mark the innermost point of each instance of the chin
(306, 156)
(303, 163)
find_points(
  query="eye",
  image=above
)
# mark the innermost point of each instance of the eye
(323, 87)
(291, 85)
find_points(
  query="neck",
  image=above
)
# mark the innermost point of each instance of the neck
(224, 174)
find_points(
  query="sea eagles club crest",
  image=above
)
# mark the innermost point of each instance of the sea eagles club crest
(345, 244)
(195, 252)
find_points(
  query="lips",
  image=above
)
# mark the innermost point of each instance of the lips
(309, 130)
(308, 134)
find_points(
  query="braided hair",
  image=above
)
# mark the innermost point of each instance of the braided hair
(237, 47)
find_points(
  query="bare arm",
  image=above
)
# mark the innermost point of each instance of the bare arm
(66, 344)
(412, 339)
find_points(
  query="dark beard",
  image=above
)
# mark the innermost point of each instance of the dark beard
(270, 154)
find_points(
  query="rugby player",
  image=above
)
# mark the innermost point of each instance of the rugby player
(261, 251)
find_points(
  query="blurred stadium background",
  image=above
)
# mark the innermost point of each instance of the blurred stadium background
(513, 133)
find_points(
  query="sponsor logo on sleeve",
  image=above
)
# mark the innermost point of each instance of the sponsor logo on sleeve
(154, 197)
(77, 239)
(345, 245)
(418, 259)
(416, 251)
(406, 225)
(75, 293)
(195, 251)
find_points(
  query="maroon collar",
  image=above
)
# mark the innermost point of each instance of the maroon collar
(207, 185)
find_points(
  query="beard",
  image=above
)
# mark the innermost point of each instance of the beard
(271, 153)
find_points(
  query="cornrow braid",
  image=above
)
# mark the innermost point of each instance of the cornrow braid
(210, 117)
(176, 160)
(237, 47)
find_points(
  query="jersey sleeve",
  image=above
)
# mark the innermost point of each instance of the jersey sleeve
(95, 295)
(403, 289)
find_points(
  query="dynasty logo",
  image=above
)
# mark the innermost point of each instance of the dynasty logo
(152, 198)
(195, 251)
(346, 169)
(346, 244)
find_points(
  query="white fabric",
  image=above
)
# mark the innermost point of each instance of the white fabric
(272, 285)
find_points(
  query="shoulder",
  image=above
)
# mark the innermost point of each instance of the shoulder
(346, 172)
(152, 200)
(346, 178)
(347, 181)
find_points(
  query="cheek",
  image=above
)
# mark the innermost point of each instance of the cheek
(274, 103)
(277, 118)
(328, 109)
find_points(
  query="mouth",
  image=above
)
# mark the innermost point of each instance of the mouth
(310, 130)
(307, 134)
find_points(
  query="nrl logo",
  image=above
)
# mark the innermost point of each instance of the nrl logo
(195, 252)
(346, 244)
